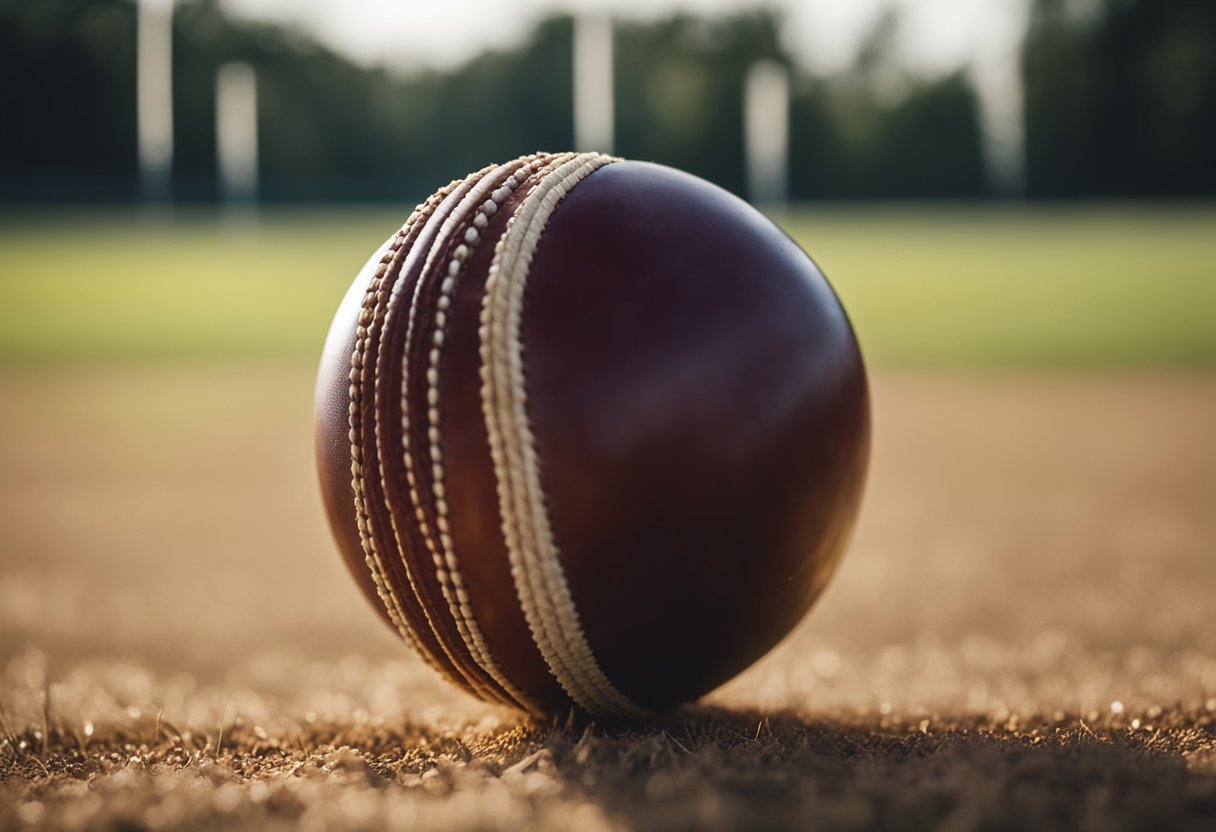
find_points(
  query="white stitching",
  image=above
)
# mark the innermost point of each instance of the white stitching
(447, 568)
(536, 568)
(358, 378)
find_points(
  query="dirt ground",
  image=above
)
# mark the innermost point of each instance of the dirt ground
(1023, 634)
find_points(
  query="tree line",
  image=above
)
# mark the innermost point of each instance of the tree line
(1120, 101)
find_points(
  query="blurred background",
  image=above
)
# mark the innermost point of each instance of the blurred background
(1015, 199)
(912, 99)
(1020, 182)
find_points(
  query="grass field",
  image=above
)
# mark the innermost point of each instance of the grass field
(926, 286)
(1020, 637)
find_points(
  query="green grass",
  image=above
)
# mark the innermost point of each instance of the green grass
(130, 287)
(1093, 287)
(927, 287)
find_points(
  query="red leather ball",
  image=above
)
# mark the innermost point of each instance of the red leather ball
(591, 432)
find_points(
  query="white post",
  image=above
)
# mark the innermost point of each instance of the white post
(236, 132)
(593, 115)
(998, 86)
(996, 70)
(154, 97)
(766, 117)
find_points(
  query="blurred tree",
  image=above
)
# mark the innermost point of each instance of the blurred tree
(1121, 98)
(497, 106)
(679, 90)
(328, 129)
(1120, 101)
(67, 99)
(875, 131)
(332, 130)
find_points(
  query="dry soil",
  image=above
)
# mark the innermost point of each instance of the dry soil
(1023, 634)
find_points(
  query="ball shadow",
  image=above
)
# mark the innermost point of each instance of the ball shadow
(714, 768)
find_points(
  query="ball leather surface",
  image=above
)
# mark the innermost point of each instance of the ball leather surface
(698, 410)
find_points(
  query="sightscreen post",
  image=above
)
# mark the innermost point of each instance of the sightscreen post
(766, 109)
(236, 132)
(593, 107)
(154, 94)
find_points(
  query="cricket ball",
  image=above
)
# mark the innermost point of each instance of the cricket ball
(590, 432)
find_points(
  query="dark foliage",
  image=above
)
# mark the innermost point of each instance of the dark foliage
(1119, 104)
